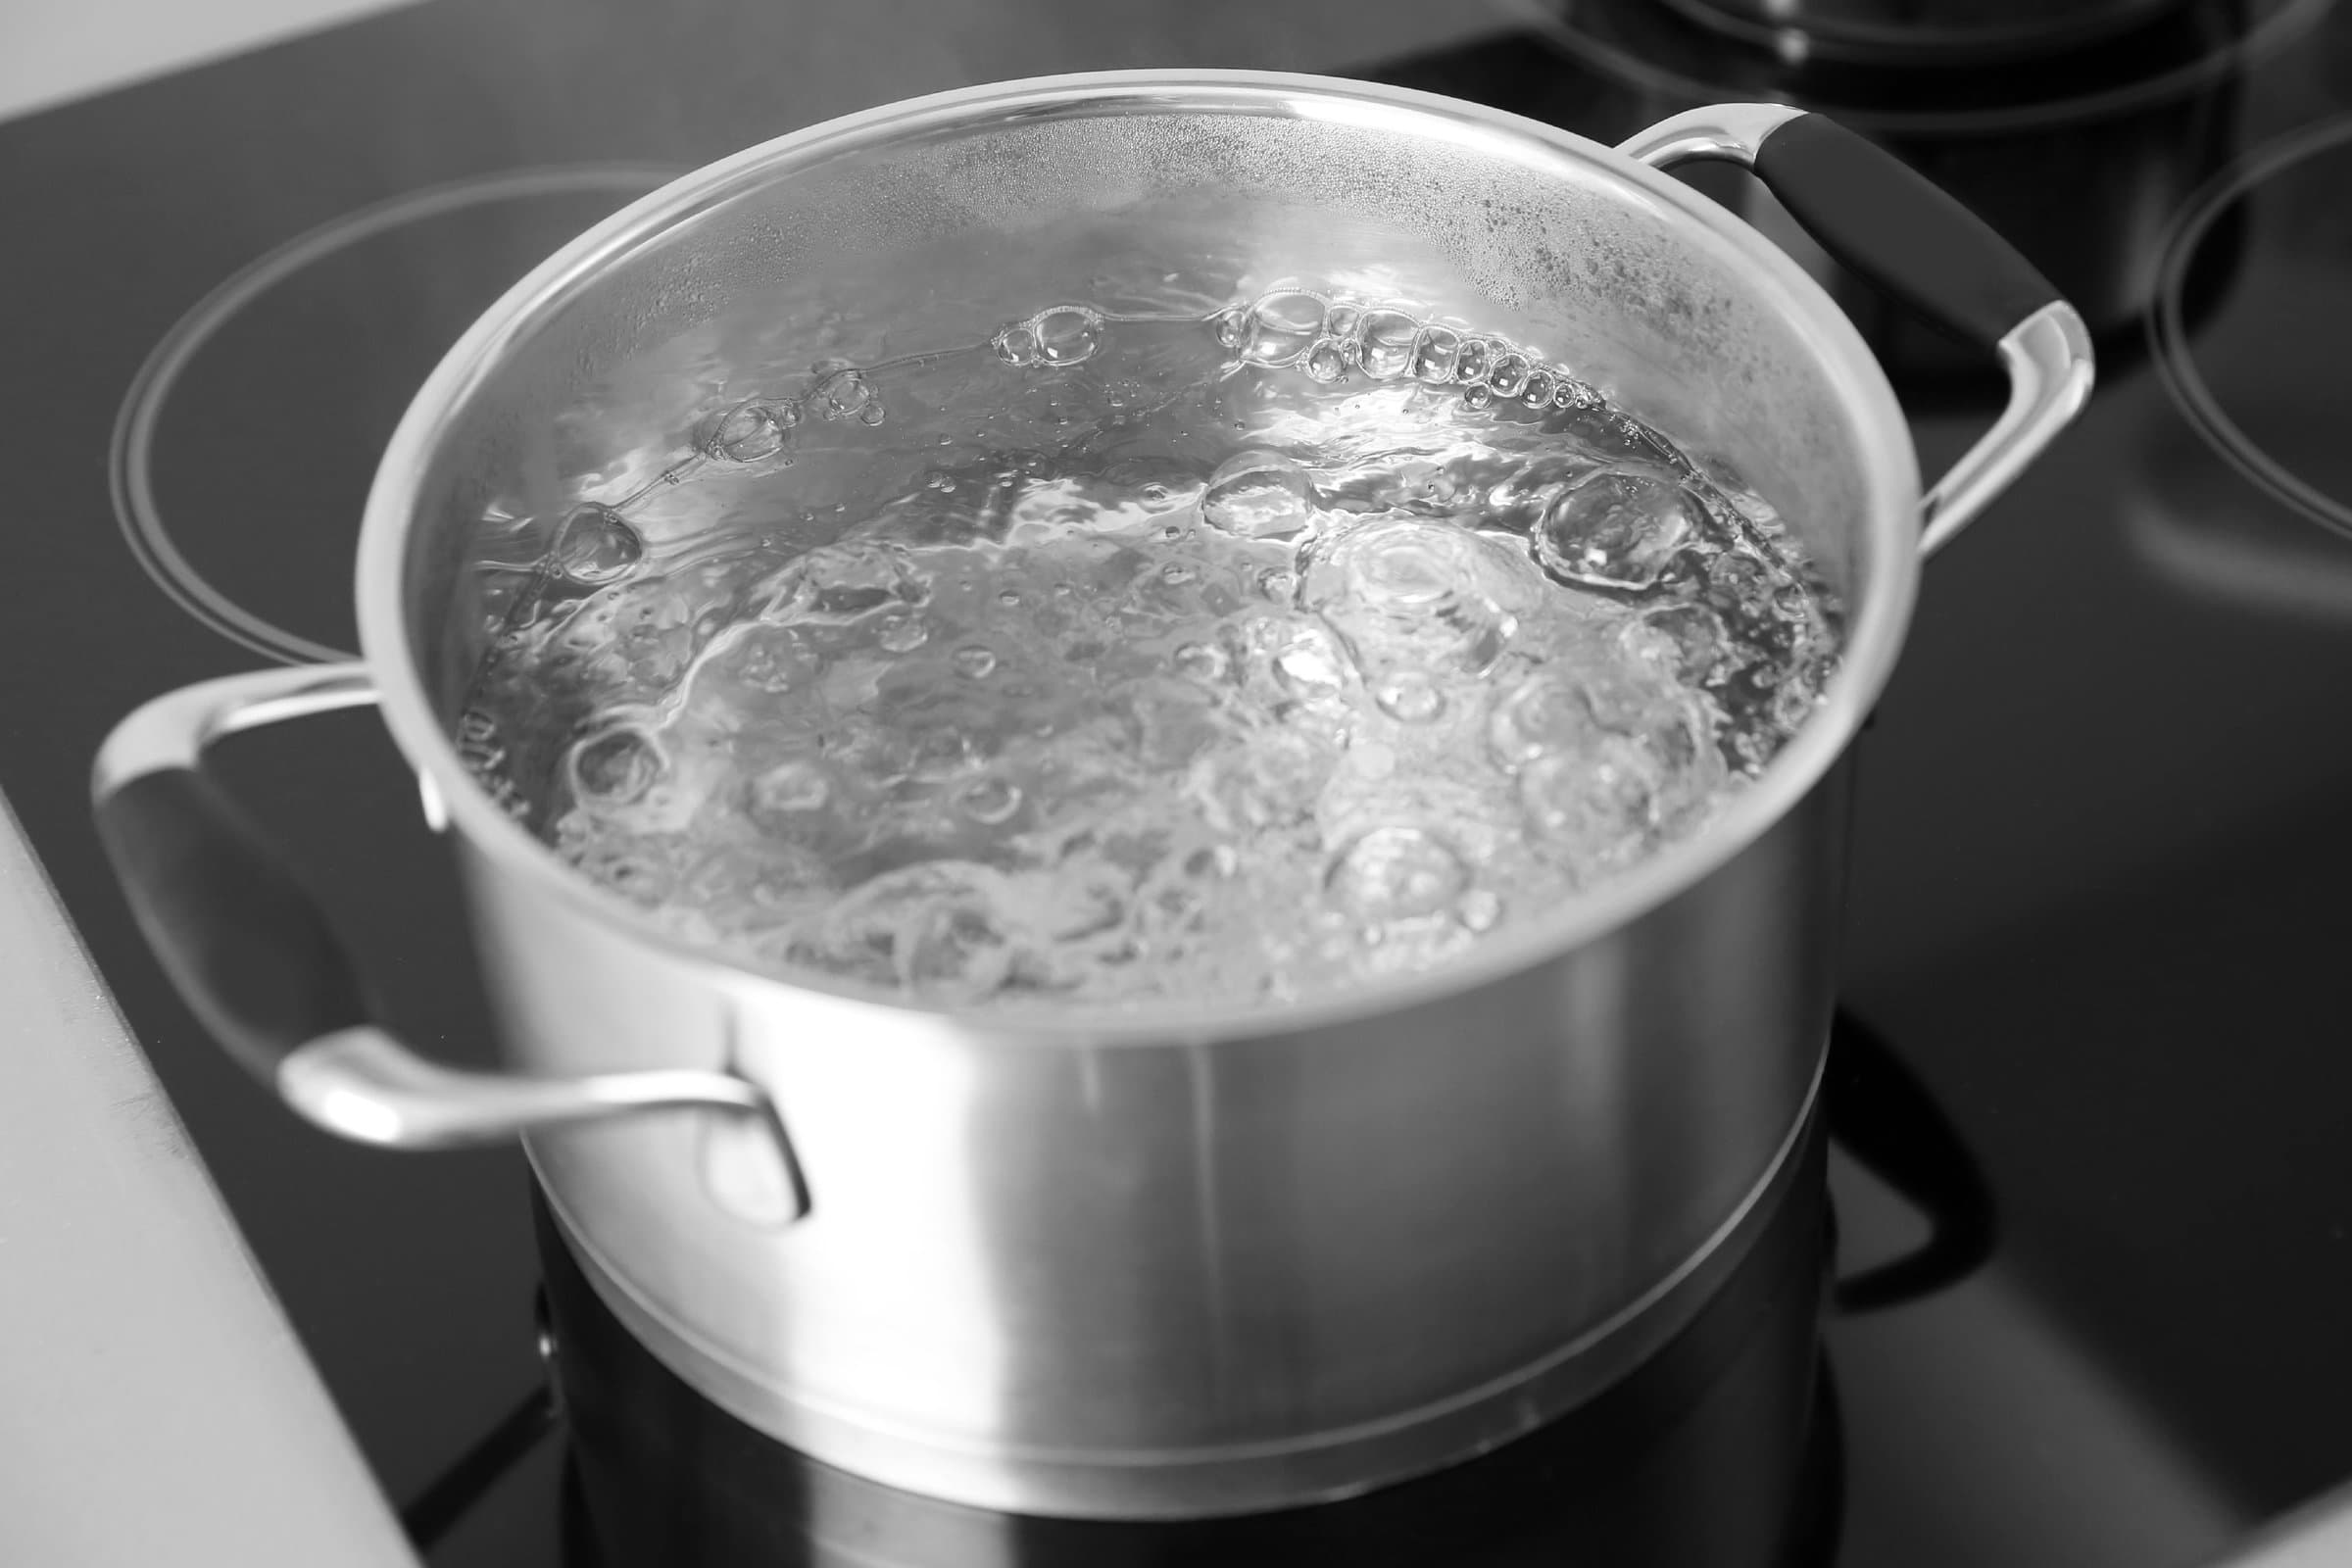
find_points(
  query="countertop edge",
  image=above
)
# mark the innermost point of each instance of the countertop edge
(154, 1404)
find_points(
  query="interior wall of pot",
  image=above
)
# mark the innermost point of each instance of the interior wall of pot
(938, 234)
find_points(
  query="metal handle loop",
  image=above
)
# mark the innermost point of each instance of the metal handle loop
(258, 961)
(2046, 352)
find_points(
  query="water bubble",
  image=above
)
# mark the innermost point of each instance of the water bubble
(1539, 387)
(1508, 377)
(1231, 326)
(1517, 503)
(1202, 662)
(1010, 598)
(1283, 325)
(1327, 362)
(1067, 334)
(1257, 495)
(595, 545)
(1409, 697)
(786, 795)
(615, 767)
(1692, 640)
(1477, 397)
(903, 633)
(1677, 736)
(1409, 593)
(1385, 344)
(1470, 365)
(1479, 909)
(1396, 874)
(1617, 528)
(1015, 344)
(1407, 567)
(1344, 321)
(989, 800)
(1436, 349)
(753, 431)
(872, 415)
(1595, 805)
(1544, 712)
(1309, 664)
(1176, 573)
(843, 393)
(973, 661)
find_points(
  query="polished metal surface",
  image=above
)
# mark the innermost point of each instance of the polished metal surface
(173, 730)
(1331, 1465)
(360, 1082)
(155, 1405)
(1202, 1257)
(2048, 355)
(372, 1089)
(1727, 133)
(2048, 358)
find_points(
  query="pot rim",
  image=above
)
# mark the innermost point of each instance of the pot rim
(1874, 636)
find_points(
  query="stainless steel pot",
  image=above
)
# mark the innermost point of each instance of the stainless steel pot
(1202, 1258)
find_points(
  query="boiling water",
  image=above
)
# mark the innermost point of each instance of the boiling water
(1219, 658)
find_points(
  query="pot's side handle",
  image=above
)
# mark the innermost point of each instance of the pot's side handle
(260, 963)
(1887, 224)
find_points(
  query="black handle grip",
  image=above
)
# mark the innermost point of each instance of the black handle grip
(242, 939)
(1886, 223)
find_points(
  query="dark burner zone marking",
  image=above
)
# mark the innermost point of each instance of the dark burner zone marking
(244, 448)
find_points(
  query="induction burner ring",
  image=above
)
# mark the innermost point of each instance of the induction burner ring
(129, 458)
(2169, 326)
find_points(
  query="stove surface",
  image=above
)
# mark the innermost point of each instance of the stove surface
(2094, 1025)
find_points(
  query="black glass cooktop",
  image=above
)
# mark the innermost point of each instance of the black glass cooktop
(2090, 1140)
